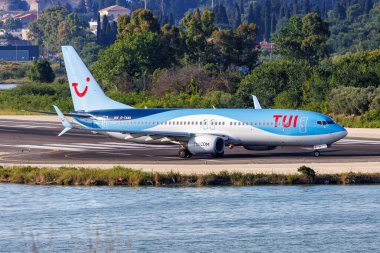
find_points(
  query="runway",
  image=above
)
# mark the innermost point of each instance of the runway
(32, 142)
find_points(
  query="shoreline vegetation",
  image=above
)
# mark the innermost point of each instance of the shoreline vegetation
(120, 176)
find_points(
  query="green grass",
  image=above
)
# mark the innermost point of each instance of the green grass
(119, 176)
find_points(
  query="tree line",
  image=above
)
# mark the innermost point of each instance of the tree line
(199, 64)
(202, 64)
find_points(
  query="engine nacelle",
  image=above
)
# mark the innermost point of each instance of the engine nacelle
(260, 148)
(206, 144)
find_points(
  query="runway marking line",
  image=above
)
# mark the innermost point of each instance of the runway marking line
(74, 146)
(48, 147)
(113, 153)
(28, 126)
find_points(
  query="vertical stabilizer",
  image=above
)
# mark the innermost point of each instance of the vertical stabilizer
(85, 91)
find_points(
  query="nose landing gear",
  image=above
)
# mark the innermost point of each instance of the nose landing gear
(316, 152)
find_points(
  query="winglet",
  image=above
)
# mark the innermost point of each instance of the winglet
(64, 121)
(256, 102)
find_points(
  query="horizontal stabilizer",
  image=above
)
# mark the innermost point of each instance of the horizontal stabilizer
(64, 121)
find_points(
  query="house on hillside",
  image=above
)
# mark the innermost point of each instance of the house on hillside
(26, 17)
(114, 11)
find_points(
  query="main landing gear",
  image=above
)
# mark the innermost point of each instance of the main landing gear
(184, 153)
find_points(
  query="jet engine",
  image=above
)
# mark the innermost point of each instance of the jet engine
(206, 144)
(260, 148)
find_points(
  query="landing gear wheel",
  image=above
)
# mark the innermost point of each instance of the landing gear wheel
(316, 153)
(182, 153)
(185, 153)
(218, 155)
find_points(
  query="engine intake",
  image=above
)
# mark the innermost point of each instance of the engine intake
(206, 144)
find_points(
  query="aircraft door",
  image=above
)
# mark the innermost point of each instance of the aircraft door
(303, 124)
(205, 124)
(212, 124)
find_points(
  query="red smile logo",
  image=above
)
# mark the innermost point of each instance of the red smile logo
(80, 94)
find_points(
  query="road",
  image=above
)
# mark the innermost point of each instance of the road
(31, 142)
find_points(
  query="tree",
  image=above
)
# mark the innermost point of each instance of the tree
(237, 14)
(226, 46)
(41, 71)
(357, 70)
(251, 15)
(316, 33)
(142, 21)
(98, 30)
(304, 38)
(267, 19)
(49, 31)
(368, 6)
(324, 9)
(135, 55)
(289, 38)
(270, 79)
(197, 29)
(306, 6)
(171, 37)
(351, 100)
(81, 7)
(221, 17)
(246, 40)
(122, 22)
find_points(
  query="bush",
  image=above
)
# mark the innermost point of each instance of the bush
(41, 71)
(271, 78)
(351, 100)
(306, 171)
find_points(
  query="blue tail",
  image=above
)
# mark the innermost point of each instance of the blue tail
(85, 91)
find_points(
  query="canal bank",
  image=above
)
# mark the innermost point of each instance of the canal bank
(121, 176)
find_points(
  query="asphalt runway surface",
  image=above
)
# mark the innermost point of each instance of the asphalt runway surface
(29, 142)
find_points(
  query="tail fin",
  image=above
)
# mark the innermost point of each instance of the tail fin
(85, 91)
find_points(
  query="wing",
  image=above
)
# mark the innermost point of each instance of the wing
(78, 115)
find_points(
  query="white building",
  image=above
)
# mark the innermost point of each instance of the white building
(114, 11)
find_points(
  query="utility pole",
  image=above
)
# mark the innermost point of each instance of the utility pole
(212, 4)
(145, 4)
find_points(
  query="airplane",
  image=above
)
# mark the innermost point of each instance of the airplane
(195, 131)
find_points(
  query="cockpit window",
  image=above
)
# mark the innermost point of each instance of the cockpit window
(328, 122)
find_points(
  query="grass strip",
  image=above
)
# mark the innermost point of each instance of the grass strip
(119, 176)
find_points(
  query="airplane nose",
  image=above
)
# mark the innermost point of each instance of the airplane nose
(342, 133)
